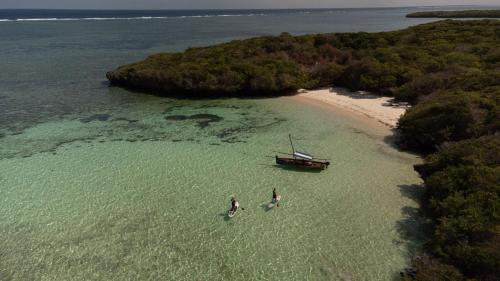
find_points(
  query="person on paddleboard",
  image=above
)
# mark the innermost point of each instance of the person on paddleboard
(234, 205)
(276, 198)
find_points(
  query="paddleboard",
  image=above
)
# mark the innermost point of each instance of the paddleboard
(274, 203)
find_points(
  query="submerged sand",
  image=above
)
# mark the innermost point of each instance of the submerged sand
(382, 109)
(141, 192)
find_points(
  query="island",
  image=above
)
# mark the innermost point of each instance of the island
(457, 14)
(449, 71)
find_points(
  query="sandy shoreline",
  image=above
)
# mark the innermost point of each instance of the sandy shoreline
(381, 109)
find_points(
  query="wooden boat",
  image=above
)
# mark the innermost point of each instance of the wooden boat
(302, 160)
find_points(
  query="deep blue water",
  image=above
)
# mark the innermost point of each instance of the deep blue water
(37, 14)
(53, 62)
(131, 14)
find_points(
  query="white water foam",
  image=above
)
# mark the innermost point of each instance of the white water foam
(130, 18)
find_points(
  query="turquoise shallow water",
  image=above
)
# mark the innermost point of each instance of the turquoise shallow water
(140, 193)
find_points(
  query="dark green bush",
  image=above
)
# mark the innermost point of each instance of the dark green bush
(463, 182)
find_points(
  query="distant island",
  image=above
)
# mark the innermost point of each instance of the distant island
(457, 14)
(447, 70)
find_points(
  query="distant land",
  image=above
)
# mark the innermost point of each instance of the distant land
(457, 14)
(448, 70)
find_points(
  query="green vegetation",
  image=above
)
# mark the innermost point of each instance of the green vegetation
(463, 182)
(457, 14)
(448, 70)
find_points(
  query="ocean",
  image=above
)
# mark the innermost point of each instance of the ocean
(101, 183)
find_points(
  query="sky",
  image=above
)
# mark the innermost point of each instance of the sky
(228, 4)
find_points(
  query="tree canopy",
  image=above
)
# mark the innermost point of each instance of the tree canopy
(457, 14)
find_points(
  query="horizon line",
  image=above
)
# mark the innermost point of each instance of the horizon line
(236, 9)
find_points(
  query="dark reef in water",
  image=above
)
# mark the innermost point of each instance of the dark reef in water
(202, 119)
(125, 120)
(96, 117)
(100, 128)
(177, 117)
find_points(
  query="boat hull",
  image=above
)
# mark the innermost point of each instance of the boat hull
(302, 163)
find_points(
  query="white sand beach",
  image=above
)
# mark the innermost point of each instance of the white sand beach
(382, 109)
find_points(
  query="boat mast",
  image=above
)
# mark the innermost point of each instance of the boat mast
(291, 143)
